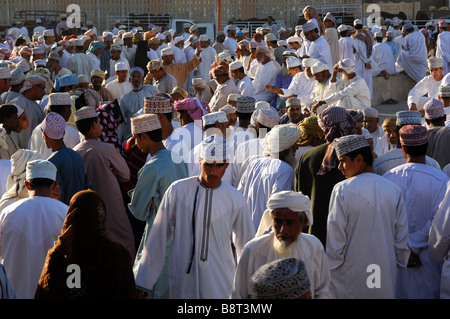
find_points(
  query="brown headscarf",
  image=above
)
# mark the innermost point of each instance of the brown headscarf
(105, 267)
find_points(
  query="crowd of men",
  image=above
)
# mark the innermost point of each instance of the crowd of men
(246, 166)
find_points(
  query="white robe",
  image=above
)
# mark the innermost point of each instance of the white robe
(72, 137)
(364, 231)
(320, 50)
(300, 87)
(243, 151)
(245, 87)
(29, 228)
(208, 56)
(263, 177)
(265, 74)
(413, 56)
(80, 64)
(220, 97)
(389, 160)
(423, 189)
(442, 49)
(360, 60)
(332, 37)
(383, 56)
(191, 134)
(439, 243)
(118, 89)
(351, 94)
(347, 48)
(426, 89)
(260, 251)
(221, 217)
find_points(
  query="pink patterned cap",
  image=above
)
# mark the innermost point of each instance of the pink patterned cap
(434, 109)
(54, 126)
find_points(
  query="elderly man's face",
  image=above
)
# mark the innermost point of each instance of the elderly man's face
(319, 76)
(136, 79)
(392, 135)
(287, 225)
(167, 59)
(371, 123)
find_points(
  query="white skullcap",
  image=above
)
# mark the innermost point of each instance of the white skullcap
(357, 21)
(347, 65)
(294, 201)
(228, 109)
(215, 148)
(144, 123)
(319, 67)
(120, 66)
(41, 169)
(298, 28)
(17, 76)
(198, 83)
(342, 27)
(224, 57)
(49, 33)
(293, 101)
(126, 35)
(203, 37)
(213, 117)
(267, 51)
(330, 17)
(268, 117)
(435, 62)
(262, 103)
(161, 36)
(370, 112)
(178, 39)
(292, 62)
(309, 26)
(378, 34)
(309, 62)
(235, 65)
(294, 38)
(281, 137)
(166, 51)
(233, 97)
(270, 37)
(5, 73)
(82, 78)
(59, 98)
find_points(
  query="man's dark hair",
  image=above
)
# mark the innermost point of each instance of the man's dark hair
(36, 183)
(343, 33)
(358, 26)
(85, 125)
(440, 121)
(155, 135)
(7, 110)
(57, 108)
(418, 150)
(169, 116)
(244, 116)
(366, 153)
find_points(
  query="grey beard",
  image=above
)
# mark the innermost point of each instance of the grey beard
(284, 70)
(136, 87)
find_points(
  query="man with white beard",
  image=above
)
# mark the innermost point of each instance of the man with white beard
(288, 212)
(269, 174)
(351, 92)
(322, 89)
(301, 85)
(266, 73)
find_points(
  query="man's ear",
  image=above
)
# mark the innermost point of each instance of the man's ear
(27, 185)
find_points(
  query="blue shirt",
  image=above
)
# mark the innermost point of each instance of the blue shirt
(71, 176)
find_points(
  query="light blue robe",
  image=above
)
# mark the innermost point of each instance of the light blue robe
(153, 180)
(130, 103)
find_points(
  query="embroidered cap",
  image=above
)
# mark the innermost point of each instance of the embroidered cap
(144, 123)
(212, 118)
(156, 105)
(349, 143)
(85, 112)
(434, 109)
(408, 117)
(40, 169)
(413, 135)
(245, 104)
(54, 126)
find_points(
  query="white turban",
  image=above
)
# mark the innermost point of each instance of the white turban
(295, 201)
(15, 184)
(319, 67)
(32, 80)
(309, 62)
(347, 65)
(435, 62)
(267, 51)
(281, 137)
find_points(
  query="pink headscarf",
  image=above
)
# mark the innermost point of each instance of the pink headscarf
(195, 108)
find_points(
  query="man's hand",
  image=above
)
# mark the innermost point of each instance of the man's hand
(368, 65)
(141, 294)
(314, 107)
